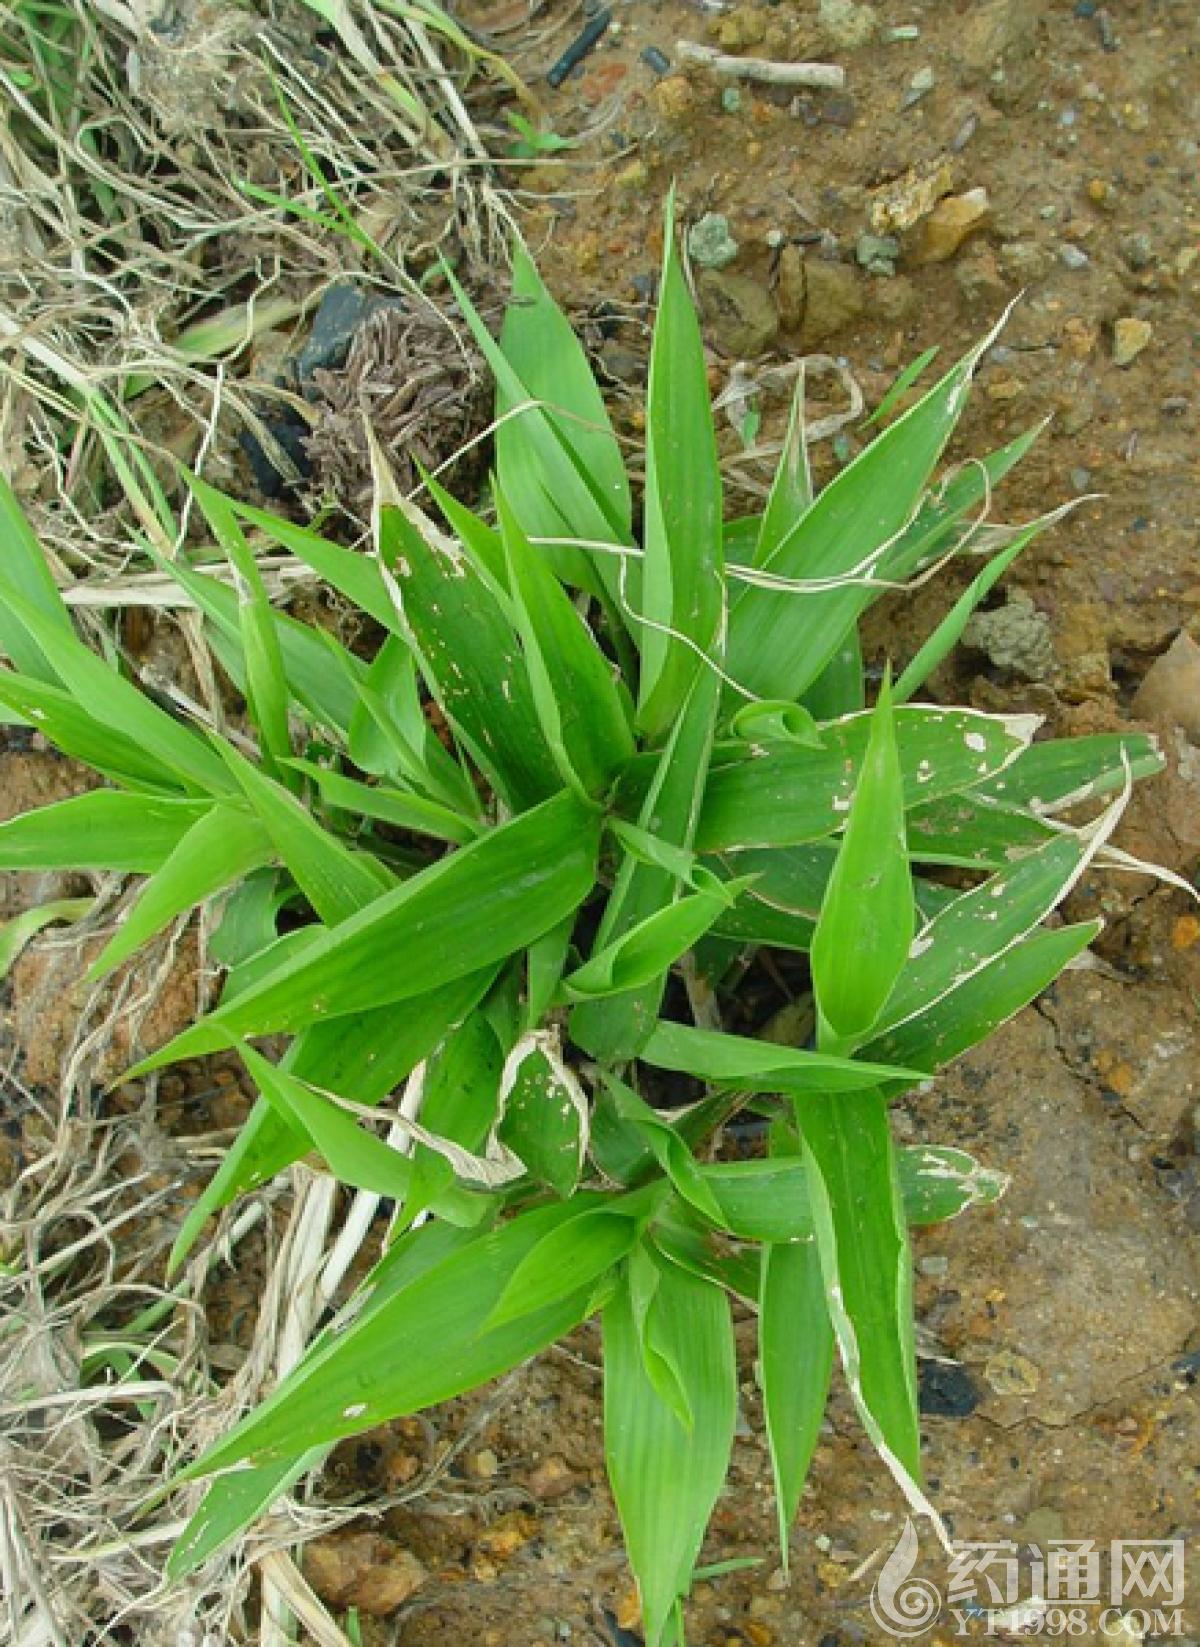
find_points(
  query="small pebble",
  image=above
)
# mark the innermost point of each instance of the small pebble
(1011, 1374)
(936, 1263)
(709, 242)
(656, 60)
(1130, 337)
(877, 253)
(946, 1390)
(1081, 479)
(1085, 8)
(919, 86)
(731, 99)
(903, 31)
(1138, 250)
(1073, 256)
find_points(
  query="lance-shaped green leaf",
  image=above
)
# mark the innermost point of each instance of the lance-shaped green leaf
(759, 1066)
(949, 631)
(1049, 777)
(468, 652)
(791, 494)
(24, 568)
(367, 1053)
(428, 1341)
(399, 807)
(58, 715)
(683, 594)
(666, 1477)
(781, 795)
(355, 1157)
(574, 1254)
(538, 457)
(644, 1132)
(543, 351)
(321, 674)
(973, 832)
(349, 571)
(579, 707)
(23, 928)
(336, 881)
(223, 845)
(978, 926)
(544, 1112)
(267, 694)
(615, 1028)
(464, 913)
(858, 1222)
(104, 829)
(988, 999)
(867, 916)
(130, 713)
(646, 953)
(768, 1200)
(231, 1504)
(795, 1362)
(780, 641)
(391, 736)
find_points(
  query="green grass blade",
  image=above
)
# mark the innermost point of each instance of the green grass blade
(858, 1221)
(996, 993)
(580, 710)
(867, 916)
(469, 654)
(23, 928)
(426, 1343)
(545, 1112)
(758, 1066)
(665, 1477)
(392, 806)
(683, 596)
(25, 570)
(616, 1027)
(779, 642)
(795, 1363)
(336, 881)
(104, 829)
(791, 495)
(221, 847)
(783, 795)
(1049, 777)
(466, 912)
(367, 1054)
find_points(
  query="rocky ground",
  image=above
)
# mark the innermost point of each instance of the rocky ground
(977, 152)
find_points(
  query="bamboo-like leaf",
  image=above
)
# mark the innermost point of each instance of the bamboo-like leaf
(949, 631)
(645, 953)
(1049, 777)
(336, 881)
(759, 1066)
(683, 595)
(574, 1254)
(25, 570)
(459, 1101)
(399, 807)
(545, 1112)
(232, 1503)
(615, 1028)
(130, 713)
(267, 694)
(779, 643)
(223, 845)
(23, 928)
(988, 999)
(858, 1222)
(795, 1362)
(791, 494)
(867, 916)
(427, 1342)
(469, 654)
(367, 1053)
(580, 710)
(104, 829)
(665, 1477)
(781, 795)
(466, 912)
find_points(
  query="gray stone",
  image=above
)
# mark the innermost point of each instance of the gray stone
(847, 24)
(710, 244)
(739, 313)
(1015, 637)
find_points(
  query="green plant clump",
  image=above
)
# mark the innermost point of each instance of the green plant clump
(588, 770)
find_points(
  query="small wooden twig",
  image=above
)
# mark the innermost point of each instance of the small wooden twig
(828, 75)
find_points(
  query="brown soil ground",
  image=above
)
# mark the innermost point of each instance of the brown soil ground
(1062, 1325)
